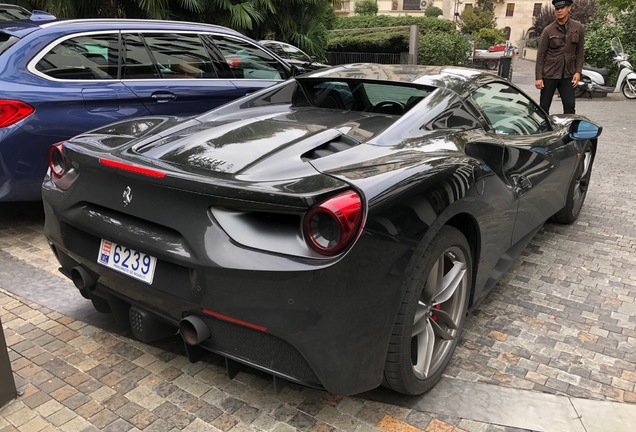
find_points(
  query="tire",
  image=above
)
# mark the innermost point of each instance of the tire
(579, 93)
(434, 308)
(492, 64)
(627, 92)
(577, 189)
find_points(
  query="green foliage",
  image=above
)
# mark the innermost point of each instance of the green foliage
(455, 48)
(585, 11)
(374, 34)
(474, 19)
(598, 35)
(365, 22)
(302, 23)
(382, 41)
(433, 12)
(488, 5)
(486, 37)
(619, 5)
(532, 42)
(627, 23)
(365, 7)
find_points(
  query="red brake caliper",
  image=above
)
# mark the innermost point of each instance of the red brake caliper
(438, 307)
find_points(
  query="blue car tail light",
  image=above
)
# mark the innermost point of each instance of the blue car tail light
(12, 111)
(332, 225)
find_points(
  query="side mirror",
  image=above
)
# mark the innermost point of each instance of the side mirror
(584, 130)
(297, 70)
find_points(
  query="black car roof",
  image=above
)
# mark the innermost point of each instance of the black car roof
(458, 79)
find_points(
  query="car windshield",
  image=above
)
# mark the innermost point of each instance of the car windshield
(348, 95)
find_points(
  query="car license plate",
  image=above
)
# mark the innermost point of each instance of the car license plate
(135, 264)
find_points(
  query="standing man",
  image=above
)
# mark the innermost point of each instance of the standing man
(560, 58)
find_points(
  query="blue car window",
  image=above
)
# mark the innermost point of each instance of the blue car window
(248, 61)
(180, 55)
(82, 58)
(137, 62)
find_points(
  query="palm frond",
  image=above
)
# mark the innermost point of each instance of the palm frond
(193, 5)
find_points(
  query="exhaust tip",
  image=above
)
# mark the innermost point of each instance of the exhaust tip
(193, 330)
(82, 278)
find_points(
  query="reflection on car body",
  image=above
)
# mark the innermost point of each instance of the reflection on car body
(62, 77)
(331, 230)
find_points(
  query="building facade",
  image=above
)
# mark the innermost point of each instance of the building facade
(515, 17)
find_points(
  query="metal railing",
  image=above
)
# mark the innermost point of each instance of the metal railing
(336, 58)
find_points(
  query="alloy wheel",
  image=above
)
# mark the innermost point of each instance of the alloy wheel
(439, 313)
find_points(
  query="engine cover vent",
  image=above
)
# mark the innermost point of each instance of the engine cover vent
(342, 143)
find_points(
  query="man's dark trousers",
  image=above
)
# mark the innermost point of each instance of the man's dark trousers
(565, 91)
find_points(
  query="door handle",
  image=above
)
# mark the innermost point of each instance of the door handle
(163, 97)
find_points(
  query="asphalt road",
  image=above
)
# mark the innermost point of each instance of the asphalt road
(561, 323)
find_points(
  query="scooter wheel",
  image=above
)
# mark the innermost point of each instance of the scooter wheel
(629, 93)
(579, 92)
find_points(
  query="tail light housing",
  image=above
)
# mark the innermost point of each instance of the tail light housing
(57, 161)
(12, 111)
(332, 225)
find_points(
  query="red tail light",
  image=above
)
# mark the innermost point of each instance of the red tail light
(57, 160)
(331, 226)
(133, 168)
(12, 111)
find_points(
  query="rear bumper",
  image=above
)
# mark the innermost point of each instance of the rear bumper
(322, 326)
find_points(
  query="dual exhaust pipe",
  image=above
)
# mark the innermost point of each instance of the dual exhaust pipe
(193, 329)
(83, 279)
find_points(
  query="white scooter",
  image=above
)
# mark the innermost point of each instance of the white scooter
(596, 80)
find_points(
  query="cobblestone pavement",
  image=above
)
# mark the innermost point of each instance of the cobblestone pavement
(561, 321)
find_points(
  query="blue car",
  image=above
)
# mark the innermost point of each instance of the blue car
(59, 78)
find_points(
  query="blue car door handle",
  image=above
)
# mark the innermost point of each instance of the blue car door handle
(162, 97)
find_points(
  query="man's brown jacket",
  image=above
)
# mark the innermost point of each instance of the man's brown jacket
(560, 54)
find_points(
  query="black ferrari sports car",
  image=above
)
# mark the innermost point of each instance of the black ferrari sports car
(332, 230)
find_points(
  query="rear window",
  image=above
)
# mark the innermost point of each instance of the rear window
(6, 41)
(345, 95)
(82, 58)
(385, 97)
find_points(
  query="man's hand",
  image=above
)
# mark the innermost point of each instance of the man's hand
(539, 84)
(575, 79)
